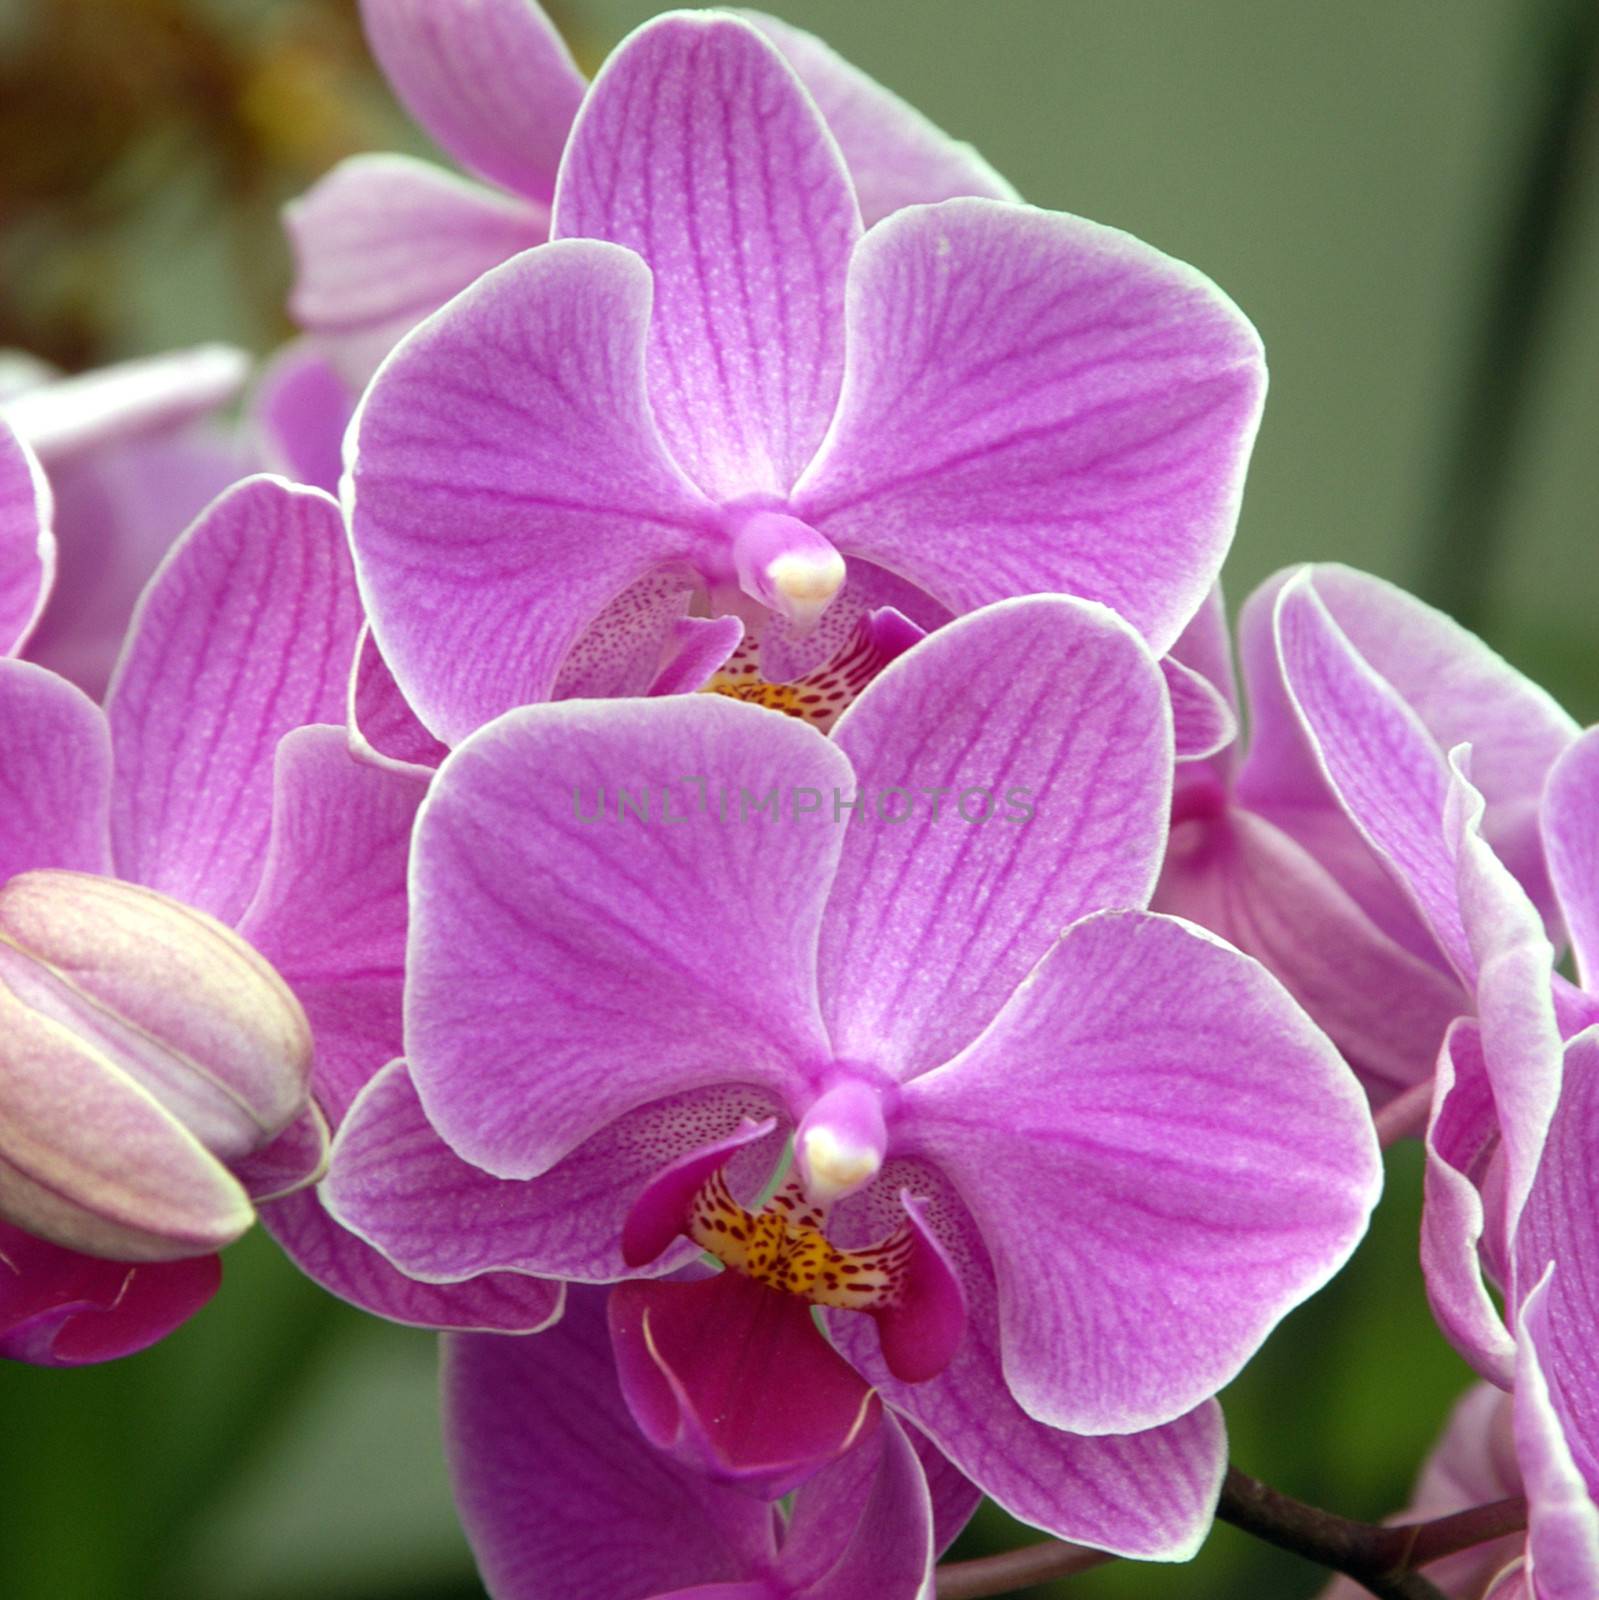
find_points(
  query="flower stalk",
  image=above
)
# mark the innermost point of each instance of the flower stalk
(1383, 1559)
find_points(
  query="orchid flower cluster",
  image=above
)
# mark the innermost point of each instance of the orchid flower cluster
(711, 854)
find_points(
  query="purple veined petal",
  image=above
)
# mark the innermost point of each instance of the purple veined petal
(620, 652)
(1164, 1156)
(697, 648)
(383, 241)
(295, 1160)
(698, 147)
(395, 1183)
(55, 774)
(61, 419)
(533, 1499)
(491, 80)
(495, 1303)
(1563, 1518)
(1515, 1004)
(118, 509)
(330, 909)
(1033, 402)
(1205, 647)
(955, 1497)
(1461, 692)
(506, 481)
(1571, 843)
(1387, 772)
(1244, 878)
(735, 1379)
(1558, 1225)
(300, 409)
(615, 901)
(1040, 731)
(27, 546)
(245, 633)
(330, 913)
(862, 1529)
(62, 1309)
(1460, 1145)
(896, 156)
(382, 726)
(1203, 724)
(1150, 1495)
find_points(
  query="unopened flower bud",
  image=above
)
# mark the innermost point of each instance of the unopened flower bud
(146, 1054)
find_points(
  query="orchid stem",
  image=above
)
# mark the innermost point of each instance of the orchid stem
(1381, 1559)
(1016, 1569)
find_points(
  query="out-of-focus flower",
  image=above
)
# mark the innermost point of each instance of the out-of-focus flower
(131, 461)
(27, 546)
(712, 389)
(543, 1453)
(384, 240)
(1126, 1141)
(1288, 850)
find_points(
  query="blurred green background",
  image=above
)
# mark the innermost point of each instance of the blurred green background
(1403, 194)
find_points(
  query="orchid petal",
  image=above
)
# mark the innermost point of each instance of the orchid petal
(491, 80)
(329, 1255)
(1203, 723)
(735, 1378)
(62, 1309)
(896, 156)
(60, 420)
(245, 633)
(1515, 1004)
(27, 547)
(698, 148)
(862, 1527)
(118, 510)
(330, 911)
(1461, 692)
(395, 1183)
(1150, 1495)
(301, 408)
(560, 1497)
(1379, 759)
(1205, 1159)
(1563, 1516)
(1244, 878)
(1559, 1226)
(383, 241)
(1459, 1146)
(569, 964)
(1571, 842)
(1050, 707)
(507, 481)
(294, 1160)
(55, 774)
(955, 1497)
(382, 725)
(1032, 402)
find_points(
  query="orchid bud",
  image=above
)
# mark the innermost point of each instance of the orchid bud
(146, 1054)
